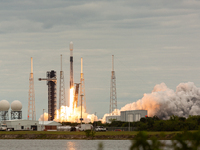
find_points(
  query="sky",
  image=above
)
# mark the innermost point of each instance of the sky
(152, 42)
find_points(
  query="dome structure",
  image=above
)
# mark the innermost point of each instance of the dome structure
(16, 105)
(4, 105)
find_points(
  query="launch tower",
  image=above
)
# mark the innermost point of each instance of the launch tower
(82, 87)
(113, 92)
(52, 94)
(62, 101)
(31, 96)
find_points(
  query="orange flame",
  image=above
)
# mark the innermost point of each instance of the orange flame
(73, 114)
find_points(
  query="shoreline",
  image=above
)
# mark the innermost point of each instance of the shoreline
(81, 137)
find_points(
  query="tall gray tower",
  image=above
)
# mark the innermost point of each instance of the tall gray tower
(62, 101)
(82, 87)
(113, 92)
(31, 96)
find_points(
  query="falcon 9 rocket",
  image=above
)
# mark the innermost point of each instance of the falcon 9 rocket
(71, 65)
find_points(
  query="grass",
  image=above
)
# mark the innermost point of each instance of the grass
(83, 133)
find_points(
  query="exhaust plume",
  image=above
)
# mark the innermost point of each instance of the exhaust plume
(164, 102)
(44, 117)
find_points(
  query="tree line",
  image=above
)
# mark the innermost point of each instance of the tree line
(175, 123)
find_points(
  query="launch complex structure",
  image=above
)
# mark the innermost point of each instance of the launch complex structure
(77, 93)
(79, 97)
(76, 98)
(31, 96)
(113, 91)
(52, 93)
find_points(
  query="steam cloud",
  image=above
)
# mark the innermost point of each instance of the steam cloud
(44, 117)
(164, 102)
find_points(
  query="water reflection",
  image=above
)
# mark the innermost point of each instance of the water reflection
(70, 145)
(64, 144)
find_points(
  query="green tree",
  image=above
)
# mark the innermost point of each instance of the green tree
(140, 142)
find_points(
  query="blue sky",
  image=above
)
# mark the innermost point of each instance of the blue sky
(152, 41)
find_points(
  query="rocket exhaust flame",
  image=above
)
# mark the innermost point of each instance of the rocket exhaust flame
(71, 99)
(72, 114)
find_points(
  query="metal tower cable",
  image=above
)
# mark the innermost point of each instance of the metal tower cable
(62, 101)
(113, 92)
(31, 96)
(82, 87)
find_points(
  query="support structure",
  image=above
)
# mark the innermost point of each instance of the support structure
(82, 87)
(113, 92)
(16, 115)
(62, 100)
(31, 96)
(52, 93)
(4, 115)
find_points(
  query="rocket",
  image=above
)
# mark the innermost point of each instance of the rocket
(71, 65)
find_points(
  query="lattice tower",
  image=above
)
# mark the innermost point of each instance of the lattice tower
(82, 87)
(31, 96)
(113, 92)
(62, 101)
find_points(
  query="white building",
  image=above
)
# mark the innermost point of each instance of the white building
(114, 117)
(132, 115)
(128, 116)
(49, 125)
(22, 125)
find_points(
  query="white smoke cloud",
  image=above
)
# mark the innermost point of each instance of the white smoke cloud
(164, 102)
(44, 117)
(116, 112)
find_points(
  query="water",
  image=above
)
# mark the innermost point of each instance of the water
(64, 144)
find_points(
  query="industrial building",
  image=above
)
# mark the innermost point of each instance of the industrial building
(132, 115)
(49, 125)
(114, 117)
(31, 125)
(128, 116)
(22, 125)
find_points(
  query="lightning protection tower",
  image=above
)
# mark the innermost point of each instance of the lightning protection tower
(31, 96)
(82, 87)
(113, 92)
(62, 101)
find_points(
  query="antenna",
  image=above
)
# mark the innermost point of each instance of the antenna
(112, 62)
(31, 65)
(81, 65)
(61, 62)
